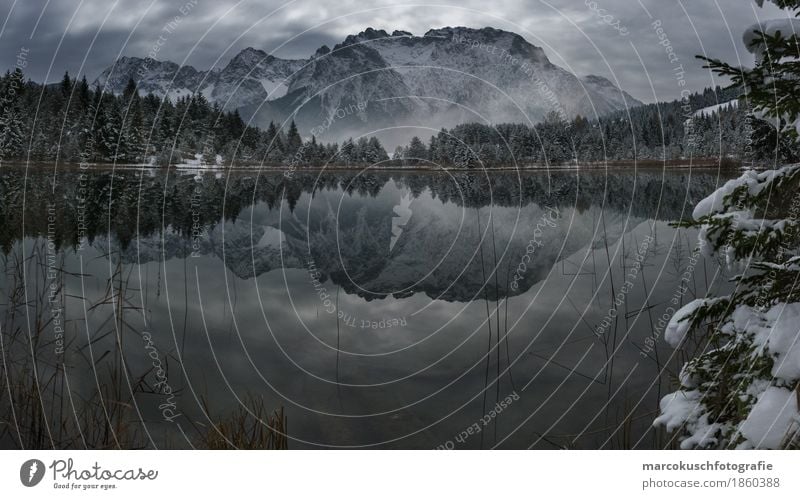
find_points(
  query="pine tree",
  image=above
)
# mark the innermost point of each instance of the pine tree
(66, 85)
(293, 140)
(417, 151)
(433, 146)
(347, 153)
(84, 96)
(12, 126)
(375, 151)
(399, 156)
(134, 133)
(741, 388)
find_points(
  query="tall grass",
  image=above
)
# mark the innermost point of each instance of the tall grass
(90, 398)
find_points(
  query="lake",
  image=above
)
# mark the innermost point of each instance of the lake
(171, 309)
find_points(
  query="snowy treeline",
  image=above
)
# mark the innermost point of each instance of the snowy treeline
(71, 122)
(714, 127)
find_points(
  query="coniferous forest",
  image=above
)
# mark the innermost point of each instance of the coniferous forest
(661, 131)
(72, 122)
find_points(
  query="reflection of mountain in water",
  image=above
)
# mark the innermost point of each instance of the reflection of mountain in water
(402, 212)
(459, 229)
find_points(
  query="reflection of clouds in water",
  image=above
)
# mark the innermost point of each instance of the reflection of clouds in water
(414, 375)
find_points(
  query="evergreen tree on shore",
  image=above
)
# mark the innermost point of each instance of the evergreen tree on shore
(11, 122)
(741, 386)
(74, 122)
(71, 122)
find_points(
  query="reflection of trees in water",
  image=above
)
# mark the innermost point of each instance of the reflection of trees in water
(145, 205)
(127, 204)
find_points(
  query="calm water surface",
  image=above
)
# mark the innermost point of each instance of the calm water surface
(401, 310)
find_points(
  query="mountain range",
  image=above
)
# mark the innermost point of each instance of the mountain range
(375, 79)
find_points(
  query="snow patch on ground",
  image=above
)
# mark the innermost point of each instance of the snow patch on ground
(275, 88)
(708, 111)
(197, 163)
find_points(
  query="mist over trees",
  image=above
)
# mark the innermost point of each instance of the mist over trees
(661, 131)
(72, 122)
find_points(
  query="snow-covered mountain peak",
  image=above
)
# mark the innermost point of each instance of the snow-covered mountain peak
(447, 76)
(367, 34)
(250, 58)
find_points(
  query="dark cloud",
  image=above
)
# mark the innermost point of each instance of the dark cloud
(86, 36)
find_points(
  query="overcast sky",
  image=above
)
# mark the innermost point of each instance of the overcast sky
(86, 36)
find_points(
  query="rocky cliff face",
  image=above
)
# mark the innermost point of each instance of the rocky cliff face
(376, 79)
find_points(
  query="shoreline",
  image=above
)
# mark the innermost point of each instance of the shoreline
(649, 165)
